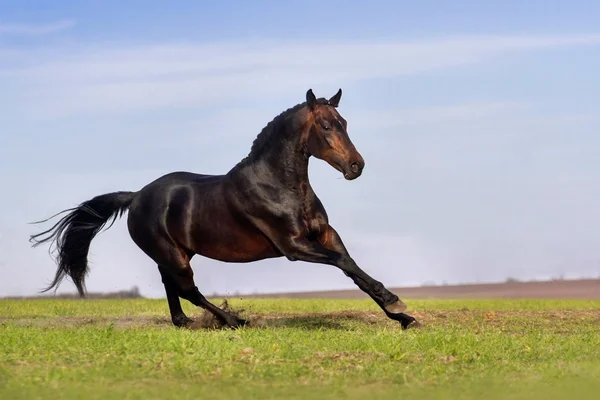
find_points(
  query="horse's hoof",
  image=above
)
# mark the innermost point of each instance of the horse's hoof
(239, 323)
(411, 324)
(182, 322)
(396, 308)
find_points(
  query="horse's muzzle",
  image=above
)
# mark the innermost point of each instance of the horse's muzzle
(354, 169)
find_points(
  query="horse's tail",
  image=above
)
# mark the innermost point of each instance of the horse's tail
(74, 232)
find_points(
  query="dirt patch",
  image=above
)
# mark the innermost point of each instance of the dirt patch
(557, 321)
(207, 320)
(75, 322)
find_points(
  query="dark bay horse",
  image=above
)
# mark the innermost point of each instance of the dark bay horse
(264, 207)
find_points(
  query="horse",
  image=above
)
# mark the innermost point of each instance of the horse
(263, 207)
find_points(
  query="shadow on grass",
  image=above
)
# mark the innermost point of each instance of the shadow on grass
(344, 320)
(301, 322)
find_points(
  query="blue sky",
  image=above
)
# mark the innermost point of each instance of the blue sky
(479, 123)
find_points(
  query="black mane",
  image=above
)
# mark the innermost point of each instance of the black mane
(269, 133)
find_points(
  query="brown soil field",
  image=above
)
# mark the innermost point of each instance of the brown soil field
(557, 289)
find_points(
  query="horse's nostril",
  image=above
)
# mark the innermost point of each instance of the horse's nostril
(354, 167)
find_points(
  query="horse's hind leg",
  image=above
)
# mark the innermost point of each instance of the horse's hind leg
(177, 315)
(177, 274)
(183, 279)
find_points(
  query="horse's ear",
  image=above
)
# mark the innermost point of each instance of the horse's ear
(311, 100)
(335, 100)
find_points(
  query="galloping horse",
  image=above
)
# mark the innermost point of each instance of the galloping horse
(264, 207)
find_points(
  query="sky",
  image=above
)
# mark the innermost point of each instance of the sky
(479, 123)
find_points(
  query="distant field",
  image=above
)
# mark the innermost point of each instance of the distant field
(298, 349)
(554, 289)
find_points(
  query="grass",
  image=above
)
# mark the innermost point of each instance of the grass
(468, 349)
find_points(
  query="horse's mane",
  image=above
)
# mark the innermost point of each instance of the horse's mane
(269, 133)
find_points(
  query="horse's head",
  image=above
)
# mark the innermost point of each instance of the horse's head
(327, 137)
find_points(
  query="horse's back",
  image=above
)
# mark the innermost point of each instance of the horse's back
(195, 212)
(184, 178)
(167, 198)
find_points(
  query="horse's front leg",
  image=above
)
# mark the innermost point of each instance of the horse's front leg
(388, 301)
(329, 249)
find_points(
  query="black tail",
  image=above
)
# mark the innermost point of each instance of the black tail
(74, 232)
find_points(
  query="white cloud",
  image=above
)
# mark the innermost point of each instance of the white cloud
(35, 29)
(96, 79)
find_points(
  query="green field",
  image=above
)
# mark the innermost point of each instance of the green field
(468, 349)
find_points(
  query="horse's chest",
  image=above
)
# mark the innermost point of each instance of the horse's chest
(312, 222)
(313, 219)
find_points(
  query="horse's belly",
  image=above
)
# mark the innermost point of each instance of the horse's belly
(235, 246)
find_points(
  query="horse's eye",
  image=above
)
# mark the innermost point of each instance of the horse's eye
(326, 126)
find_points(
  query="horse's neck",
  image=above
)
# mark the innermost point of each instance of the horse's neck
(280, 161)
(288, 164)
(283, 164)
